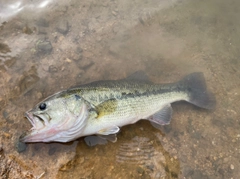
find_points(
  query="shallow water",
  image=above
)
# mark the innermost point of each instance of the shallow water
(52, 45)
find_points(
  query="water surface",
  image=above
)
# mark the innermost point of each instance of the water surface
(48, 46)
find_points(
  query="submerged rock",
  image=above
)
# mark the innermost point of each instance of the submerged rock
(10, 62)
(85, 64)
(27, 30)
(63, 27)
(42, 22)
(4, 48)
(27, 80)
(21, 146)
(52, 69)
(44, 46)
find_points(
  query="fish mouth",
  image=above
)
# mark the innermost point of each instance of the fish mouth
(37, 121)
(40, 124)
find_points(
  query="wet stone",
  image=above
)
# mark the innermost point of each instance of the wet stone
(52, 69)
(81, 160)
(21, 146)
(52, 151)
(226, 160)
(79, 50)
(28, 79)
(196, 135)
(2, 103)
(27, 82)
(42, 30)
(44, 46)
(188, 171)
(217, 122)
(10, 62)
(85, 64)
(4, 48)
(2, 68)
(67, 166)
(5, 114)
(77, 55)
(6, 135)
(42, 22)
(94, 140)
(141, 20)
(176, 134)
(79, 76)
(114, 49)
(230, 122)
(63, 27)
(37, 147)
(27, 30)
(92, 24)
(140, 170)
(39, 95)
(114, 13)
(150, 167)
(115, 29)
(198, 175)
(167, 128)
(221, 171)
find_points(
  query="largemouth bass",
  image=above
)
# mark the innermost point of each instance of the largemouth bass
(102, 107)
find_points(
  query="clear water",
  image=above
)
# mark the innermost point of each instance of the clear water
(47, 46)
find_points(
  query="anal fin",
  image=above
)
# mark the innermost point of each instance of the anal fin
(162, 117)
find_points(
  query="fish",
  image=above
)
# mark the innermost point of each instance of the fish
(100, 108)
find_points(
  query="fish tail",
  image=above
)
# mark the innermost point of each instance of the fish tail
(196, 88)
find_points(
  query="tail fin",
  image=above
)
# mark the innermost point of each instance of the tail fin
(196, 88)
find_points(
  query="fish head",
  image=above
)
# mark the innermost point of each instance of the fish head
(59, 118)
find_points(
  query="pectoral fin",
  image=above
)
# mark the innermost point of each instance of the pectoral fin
(162, 117)
(110, 130)
(107, 107)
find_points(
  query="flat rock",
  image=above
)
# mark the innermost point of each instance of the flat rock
(44, 46)
(42, 22)
(10, 62)
(52, 69)
(21, 146)
(27, 80)
(63, 27)
(85, 64)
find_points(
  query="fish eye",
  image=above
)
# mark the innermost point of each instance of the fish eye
(42, 106)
